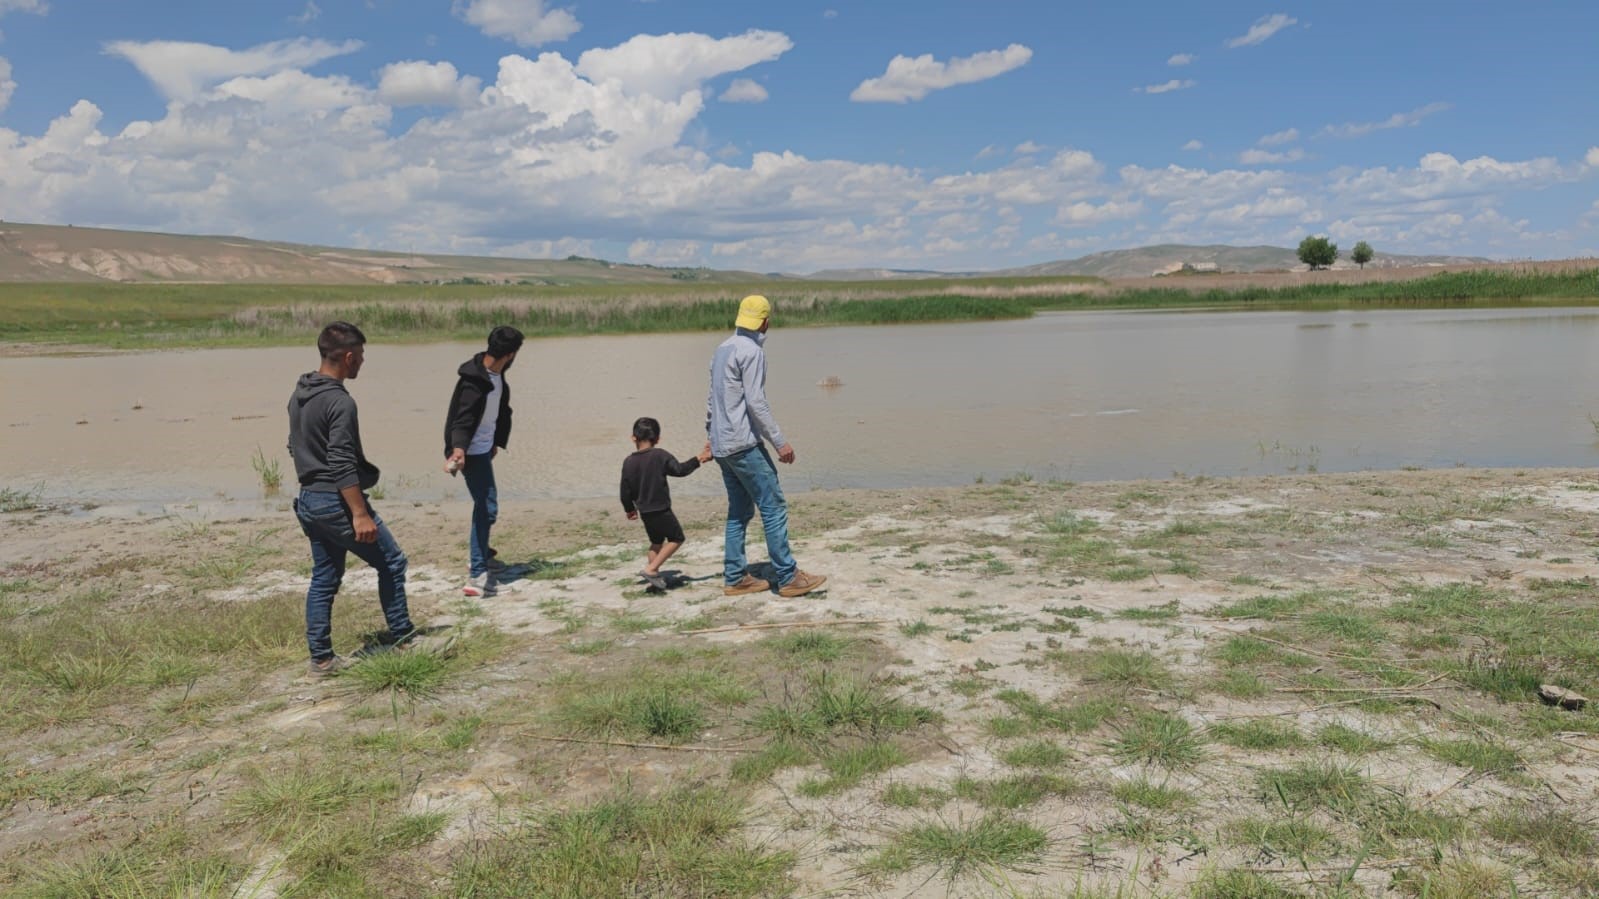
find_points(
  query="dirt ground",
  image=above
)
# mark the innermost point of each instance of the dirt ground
(1309, 685)
(1235, 280)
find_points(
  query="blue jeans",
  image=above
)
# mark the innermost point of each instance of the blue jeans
(326, 522)
(479, 474)
(751, 481)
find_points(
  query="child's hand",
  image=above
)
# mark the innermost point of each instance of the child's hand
(705, 454)
(633, 515)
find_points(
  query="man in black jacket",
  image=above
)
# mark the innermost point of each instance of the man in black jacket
(477, 428)
(325, 442)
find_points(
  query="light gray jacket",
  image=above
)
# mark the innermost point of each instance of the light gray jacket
(737, 416)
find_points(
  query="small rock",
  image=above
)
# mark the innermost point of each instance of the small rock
(1562, 697)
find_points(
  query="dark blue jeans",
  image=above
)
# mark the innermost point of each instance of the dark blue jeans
(751, 481)
(479, 474)
(326, 521)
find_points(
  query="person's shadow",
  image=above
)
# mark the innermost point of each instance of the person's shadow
(674, 578)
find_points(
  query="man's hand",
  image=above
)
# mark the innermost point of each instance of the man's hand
(705, 454)
(633, 515)
(785, 454)
(366, 530)
(456, 461)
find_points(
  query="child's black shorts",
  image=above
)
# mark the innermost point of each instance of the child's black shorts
(662, 527)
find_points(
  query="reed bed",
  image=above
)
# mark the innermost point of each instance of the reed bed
(155, 315)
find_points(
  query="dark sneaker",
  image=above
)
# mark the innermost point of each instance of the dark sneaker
(747, 585)
(801, 584)
(327, 667)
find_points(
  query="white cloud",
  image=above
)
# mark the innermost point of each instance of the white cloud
(296, 92)
(310, 14)
(1397, 120)
(1592, 158)
(1267, 157)
(1028, 148)
(1083, 213)
(1194, 144)
(990, 150)
(38, 7)
(419, 83)
(7, 86)
(1264, 27)
(182, 70)
(1279, 137)
(529, 23)
(829, 13)
(669, 65)
(744, 90)
(908, 78)
(1175, 84)
(1181, 59)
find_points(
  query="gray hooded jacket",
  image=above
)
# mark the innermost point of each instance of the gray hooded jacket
(325, 436)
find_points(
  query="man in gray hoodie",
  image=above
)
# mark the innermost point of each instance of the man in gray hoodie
(325, 442)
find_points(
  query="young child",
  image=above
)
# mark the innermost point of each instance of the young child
(645, 494)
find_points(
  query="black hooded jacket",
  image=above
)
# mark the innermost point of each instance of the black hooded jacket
(325, 436)
(468, 403)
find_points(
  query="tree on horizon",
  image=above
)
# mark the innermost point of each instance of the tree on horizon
(1317, 252)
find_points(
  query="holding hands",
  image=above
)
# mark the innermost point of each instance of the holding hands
(705, 454)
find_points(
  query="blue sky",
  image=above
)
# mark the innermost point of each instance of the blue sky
(794, 137)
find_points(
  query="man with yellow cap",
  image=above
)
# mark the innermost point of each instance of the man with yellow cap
(737, 420)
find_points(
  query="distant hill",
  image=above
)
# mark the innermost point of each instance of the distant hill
(1141, 262)
(45, 253)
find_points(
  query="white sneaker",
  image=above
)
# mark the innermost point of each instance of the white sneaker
(482, 585)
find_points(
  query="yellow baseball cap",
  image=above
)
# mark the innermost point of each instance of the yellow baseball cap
(752, 311)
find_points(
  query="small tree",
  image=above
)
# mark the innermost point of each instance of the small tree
(1317, 252)
(1361, 254)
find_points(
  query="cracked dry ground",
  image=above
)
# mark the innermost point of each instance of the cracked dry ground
(1311, 686)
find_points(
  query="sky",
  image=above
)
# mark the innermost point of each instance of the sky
(799, 136)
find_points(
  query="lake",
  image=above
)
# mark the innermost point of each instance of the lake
(1072, 395)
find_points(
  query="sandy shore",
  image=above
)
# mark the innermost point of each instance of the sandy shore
(1136, 672)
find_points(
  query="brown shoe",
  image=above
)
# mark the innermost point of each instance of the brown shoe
(801, 584)
(749, 584)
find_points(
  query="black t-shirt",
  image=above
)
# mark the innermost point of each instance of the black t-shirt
(644, 479)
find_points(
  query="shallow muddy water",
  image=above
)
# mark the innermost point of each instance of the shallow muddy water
(1079, 396)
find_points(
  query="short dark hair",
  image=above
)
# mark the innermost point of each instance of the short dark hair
(647, 429)
(339, 338)
(503, 341)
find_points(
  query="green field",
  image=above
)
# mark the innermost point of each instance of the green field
(154, 315)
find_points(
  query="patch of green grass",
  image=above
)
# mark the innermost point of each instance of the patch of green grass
(684, 843)
(1007, 726)
(300, 794)
(1481, 756)
(1078, 718)
(846, 768)
(902, 795)
(1240, 684)
(1272, 607)
(13, 499)
(593, 647)
(772, 758)
(1508, 679)
(1165, 612)
(984, 847)
(417, 673)
(1159, 738)
(1291, 837)
(1263, 734)
(916, 628)
(355, 856)
(1036, 754)
(1240, 884)
(1154, 796)
(1319, 784)
(829, 704)
(1346, 623)
(1351, 740)
(1124, 668)
(808, 646)
(1549, 831)
(629, 623)
(1459, 878)
(143, 868)
(61, 786)
(971, 686)
(1016, 791)
(641, 710)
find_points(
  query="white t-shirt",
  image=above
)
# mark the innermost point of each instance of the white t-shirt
(483, 437)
